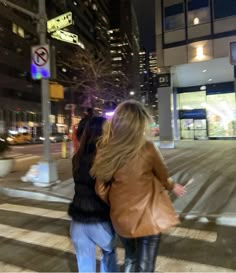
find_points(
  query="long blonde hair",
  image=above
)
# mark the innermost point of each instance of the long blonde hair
(122, 139)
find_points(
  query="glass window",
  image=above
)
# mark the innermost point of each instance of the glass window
(192, 100)
(198, 12)
(174, 17)
(223, 8)
(221, 112)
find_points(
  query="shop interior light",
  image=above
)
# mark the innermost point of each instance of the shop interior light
(203, 88)
(186, 107)
(204, 70)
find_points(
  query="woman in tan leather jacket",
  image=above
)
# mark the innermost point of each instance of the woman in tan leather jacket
(132, 178)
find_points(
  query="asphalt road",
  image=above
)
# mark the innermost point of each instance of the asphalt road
(37, 149)
(34, 236)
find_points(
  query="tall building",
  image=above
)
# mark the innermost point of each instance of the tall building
(124, 44)
(152, 73)
(144, 77)
(148, 81)
(193, 40)
(20, 97)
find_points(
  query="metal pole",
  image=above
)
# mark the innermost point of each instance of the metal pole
(42, 30)
(14, 6)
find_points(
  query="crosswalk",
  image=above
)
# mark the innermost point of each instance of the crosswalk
(34, 237)
(20, 155)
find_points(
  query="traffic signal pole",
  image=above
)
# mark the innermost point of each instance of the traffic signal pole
(42, 31)
(47, 167)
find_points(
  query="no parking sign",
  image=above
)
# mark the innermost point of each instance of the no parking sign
(40, 62)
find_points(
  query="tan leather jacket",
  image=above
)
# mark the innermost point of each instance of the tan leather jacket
(137, 195)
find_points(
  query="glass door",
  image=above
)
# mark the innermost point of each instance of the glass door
(187, 128)
(193, 128)
(200, 129)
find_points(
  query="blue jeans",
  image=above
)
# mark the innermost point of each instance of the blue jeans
(85, 237)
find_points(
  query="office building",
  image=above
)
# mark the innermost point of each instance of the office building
(124, 45)
(193, 38)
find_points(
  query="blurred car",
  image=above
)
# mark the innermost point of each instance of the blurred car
(54, 138)
(19, 138)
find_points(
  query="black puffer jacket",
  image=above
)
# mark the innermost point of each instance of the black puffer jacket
(86, 207)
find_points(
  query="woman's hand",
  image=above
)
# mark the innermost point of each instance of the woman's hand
(179, 190)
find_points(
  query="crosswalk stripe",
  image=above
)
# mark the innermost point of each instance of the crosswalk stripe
(63, 243)
(18, 156)
(6, 267)
(35, 211)
(44, 239)
(181, 232)
(196, 234)
(165, 264)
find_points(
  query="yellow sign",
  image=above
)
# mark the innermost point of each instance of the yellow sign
(60, 22)
(56, 91)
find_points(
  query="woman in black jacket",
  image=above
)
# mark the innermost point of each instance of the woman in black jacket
(90, 224)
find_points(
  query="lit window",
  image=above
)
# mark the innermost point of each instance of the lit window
(198, 12)
(117, 59)
(18, 30)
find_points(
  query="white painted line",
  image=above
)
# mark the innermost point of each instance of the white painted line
(43, 239)
(196, 234)
(165, 264)
(55, 214)
(6, 267)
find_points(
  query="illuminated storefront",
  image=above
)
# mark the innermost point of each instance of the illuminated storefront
(207, 111)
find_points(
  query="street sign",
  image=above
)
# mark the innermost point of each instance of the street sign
(68, 37)
(60, 22)
(40, 62)
(232, 46)
(164, 80)
(70, 107)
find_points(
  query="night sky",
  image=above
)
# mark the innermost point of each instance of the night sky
(146, 17)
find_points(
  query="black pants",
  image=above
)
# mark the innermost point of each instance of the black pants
(141, 253)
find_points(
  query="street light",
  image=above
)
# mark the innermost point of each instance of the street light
(131, 93)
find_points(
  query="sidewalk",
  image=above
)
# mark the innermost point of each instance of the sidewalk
(61, 192)
(210, 163)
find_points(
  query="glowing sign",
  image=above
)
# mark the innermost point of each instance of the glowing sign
(40, 62)
(68, 37)
(60, 22)
(109, 114)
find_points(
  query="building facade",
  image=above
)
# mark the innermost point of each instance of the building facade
(193, 38)
(20, 96)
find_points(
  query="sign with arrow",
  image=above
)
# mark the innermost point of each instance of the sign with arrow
(60, 22)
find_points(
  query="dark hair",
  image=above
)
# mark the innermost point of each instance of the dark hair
(90, 136)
